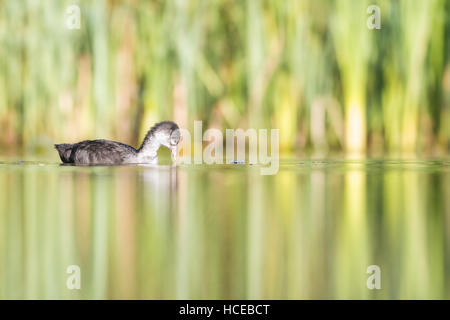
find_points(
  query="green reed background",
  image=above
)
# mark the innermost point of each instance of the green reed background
(311, 68)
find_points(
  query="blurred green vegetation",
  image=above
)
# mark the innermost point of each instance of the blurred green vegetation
(311, 68)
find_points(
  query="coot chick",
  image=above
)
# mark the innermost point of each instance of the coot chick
(90, 152)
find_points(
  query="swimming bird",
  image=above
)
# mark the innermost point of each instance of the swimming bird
(91, 152)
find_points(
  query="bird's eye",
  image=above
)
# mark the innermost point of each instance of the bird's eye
(175, 137)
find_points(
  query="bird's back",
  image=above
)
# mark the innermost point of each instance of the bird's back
(96, 152)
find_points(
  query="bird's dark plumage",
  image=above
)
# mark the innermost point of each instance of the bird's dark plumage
(95, 152)
(64, 151)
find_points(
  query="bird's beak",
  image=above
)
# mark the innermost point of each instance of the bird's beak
(174, 152)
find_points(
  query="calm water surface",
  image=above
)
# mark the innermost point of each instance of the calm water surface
(197, 232)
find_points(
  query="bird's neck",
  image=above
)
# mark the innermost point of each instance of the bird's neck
(149, 148)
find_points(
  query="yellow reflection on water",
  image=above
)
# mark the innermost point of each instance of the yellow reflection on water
(197, 232)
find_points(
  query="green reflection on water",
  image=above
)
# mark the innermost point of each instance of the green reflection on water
(197, 232)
